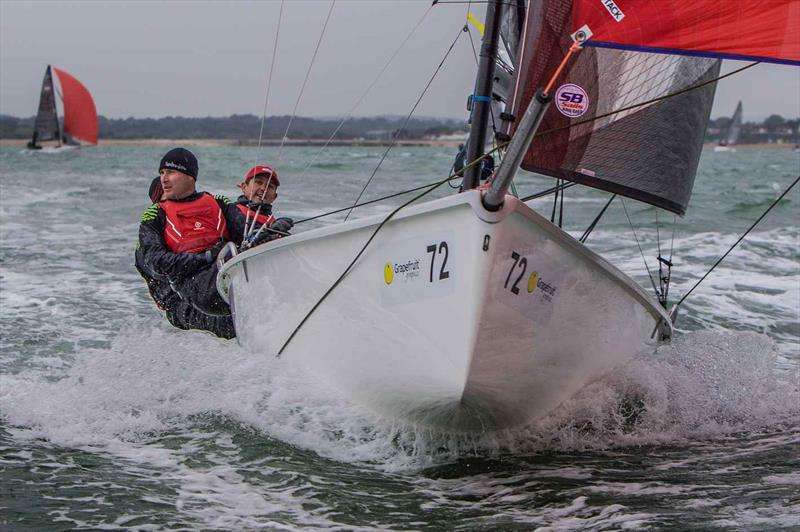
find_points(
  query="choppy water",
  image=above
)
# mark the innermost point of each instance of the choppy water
(110, 419)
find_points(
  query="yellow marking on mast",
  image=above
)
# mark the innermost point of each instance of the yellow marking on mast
(475, 22)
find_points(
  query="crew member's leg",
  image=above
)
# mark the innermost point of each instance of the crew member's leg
(185, 316)
(201, 291)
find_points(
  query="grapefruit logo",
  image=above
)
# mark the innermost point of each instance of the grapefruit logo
(571, 100)
(532, 280)
(388, 273)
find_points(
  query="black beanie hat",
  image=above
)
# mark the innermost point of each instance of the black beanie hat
(156, 190)
(180, 159)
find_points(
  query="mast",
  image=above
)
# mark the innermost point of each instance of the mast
(481, 99)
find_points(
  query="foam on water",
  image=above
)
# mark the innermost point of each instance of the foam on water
(702, 385)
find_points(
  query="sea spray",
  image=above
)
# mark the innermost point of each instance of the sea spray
(702, 385)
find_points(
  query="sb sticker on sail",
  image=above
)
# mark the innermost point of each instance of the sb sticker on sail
(417, 269)
(571, 100)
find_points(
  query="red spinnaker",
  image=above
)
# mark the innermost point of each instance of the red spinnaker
(80, 114)
(762, 31)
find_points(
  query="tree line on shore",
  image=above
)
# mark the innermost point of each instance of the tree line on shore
(245, 128)
(773, 129)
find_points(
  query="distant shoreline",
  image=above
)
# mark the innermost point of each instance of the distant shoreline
(446, 143)
(441, 143)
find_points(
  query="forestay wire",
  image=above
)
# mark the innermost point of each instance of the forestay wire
(264, 112)
(396, 135)
(305, 81)
(349, 114)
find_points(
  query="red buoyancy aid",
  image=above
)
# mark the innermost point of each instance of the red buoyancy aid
(261, 219)
(193, 226)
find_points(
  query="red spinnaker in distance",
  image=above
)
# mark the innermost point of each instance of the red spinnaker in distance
(761, 31)
(80, 114)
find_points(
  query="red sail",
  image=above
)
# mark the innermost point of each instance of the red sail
(80, 115)
(762, 31)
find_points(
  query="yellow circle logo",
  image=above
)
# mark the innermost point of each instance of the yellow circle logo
(388, 273)
(532, 282)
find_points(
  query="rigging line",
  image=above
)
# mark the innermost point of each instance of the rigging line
(671, 247)
(305, 81)
(648, 102)
(405, 123)
(561, 210)
(650, 275)
(248, 230)
(548, 191)
(555, 201)
(367, 91)
(364, 247)
(774, 203)
(591, 227)
(376, 200)
(658, 237)
(672, 240)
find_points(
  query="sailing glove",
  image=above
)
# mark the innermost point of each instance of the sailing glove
(211, 254)
(283, 225)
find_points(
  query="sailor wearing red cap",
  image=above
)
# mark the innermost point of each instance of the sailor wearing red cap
(259, 192)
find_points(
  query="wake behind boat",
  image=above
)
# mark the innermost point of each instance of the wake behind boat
(80, 115)
(473, 312)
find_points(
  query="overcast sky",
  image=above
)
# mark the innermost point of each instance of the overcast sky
(191, 58)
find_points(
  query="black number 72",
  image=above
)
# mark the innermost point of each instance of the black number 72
(522, 262)
(443, 274)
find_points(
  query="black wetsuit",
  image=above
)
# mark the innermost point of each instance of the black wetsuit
(179, 312)
(190, 276)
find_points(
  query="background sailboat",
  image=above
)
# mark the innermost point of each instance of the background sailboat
(80, 115)
(731, 136)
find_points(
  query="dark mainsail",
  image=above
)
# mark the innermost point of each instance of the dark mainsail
(46, 125)
(734, 128)
(648, 153)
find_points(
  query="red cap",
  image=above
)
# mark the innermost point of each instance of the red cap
(262, 170)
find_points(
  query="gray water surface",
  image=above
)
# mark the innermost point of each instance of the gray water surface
(111, 419)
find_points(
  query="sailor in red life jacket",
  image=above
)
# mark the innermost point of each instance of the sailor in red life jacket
(259, 191)
(181, 235)
(178, 311)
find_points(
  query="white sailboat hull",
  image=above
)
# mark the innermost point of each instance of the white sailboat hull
(719, 149)
(454, 317)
